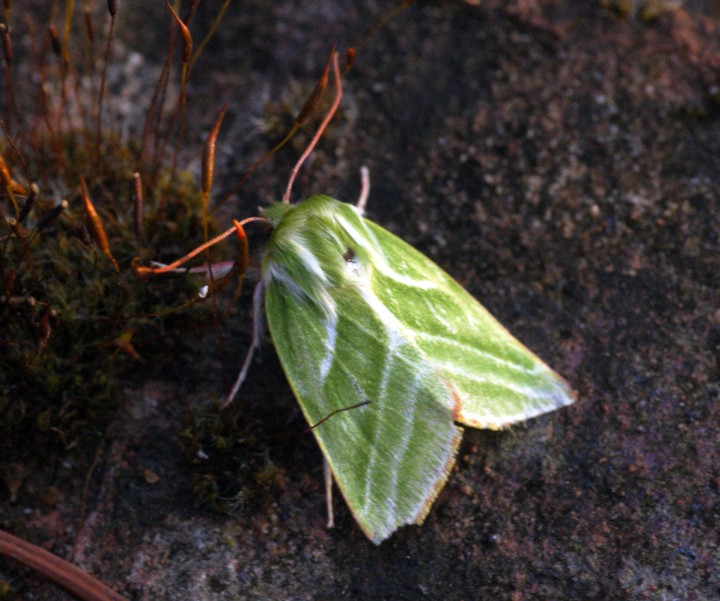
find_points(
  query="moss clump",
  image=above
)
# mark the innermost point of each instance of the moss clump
(76, 322)
(230, 450)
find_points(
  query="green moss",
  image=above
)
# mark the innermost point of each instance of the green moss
(74, 329)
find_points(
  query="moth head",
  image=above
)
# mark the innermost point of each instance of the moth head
(315, 247)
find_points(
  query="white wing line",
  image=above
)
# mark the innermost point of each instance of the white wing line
(278, 274)
(379, 260)
(537, 366)
(432, 308)
(308, 258)
(387, 360)
(311, 263)
(386, 318)
(331, 332)
(400, 452)
(540, 392)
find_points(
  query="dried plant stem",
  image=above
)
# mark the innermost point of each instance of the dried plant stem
(103, 79)
(58, 570)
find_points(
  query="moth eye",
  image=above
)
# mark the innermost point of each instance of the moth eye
(352, 265)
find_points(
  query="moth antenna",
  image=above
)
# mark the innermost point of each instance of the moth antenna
(364, 189)
(320, 130)
(254, 344)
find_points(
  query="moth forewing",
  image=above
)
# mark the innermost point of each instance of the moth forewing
(391, 457)
(359, 316)
(497, 379)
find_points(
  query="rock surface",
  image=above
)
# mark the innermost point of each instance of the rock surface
(563, 163)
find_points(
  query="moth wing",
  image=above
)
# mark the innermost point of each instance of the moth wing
(392, 456)
(496, 378)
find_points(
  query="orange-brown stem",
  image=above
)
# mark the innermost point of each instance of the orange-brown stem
(208, 159)
(243, 259)
(187, 45)
(96, 224)
(320, 130)
(312, 101)
(146, 271)
(138, 207)
(208, 167)
(184, 33)
(103, 79)
(308, 107)
(58, 570)
(349, 60)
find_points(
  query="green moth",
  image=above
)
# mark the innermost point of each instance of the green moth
(384, 351)
(358, 316)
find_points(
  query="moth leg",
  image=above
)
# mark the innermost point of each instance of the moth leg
(328, 493)
(257, 312)
(364, 189)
